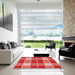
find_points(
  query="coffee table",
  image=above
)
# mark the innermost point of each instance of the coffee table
(41, 53)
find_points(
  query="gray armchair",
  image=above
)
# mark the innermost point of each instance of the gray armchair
(52, 45)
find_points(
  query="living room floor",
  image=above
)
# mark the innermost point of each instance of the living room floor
(68, 64)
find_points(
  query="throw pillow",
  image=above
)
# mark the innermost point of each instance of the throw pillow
(9, 46)
(13, 44)
(3, 45)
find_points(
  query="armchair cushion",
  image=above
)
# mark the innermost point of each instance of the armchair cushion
(52, 44)
(72, 48)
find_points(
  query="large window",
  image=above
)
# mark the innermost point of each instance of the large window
(40, 23)
(39, 26)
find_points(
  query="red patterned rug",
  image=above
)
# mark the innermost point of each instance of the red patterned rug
(36, 62)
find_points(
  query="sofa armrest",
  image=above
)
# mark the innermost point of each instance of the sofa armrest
(20, 45)
(6, 56)
(63, 47)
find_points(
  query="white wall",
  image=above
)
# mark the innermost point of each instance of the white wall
(6, 35)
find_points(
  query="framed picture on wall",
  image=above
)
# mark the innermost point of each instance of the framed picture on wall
(1, 15)
(6, 17)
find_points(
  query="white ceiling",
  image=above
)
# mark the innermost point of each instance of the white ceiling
(29, 1)
(39, 6)
(34, 4)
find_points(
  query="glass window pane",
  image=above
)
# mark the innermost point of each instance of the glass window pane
(41, 23)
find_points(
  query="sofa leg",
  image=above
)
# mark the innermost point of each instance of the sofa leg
(45, 49)
(55, 49)
(59, 57)
(50, 49)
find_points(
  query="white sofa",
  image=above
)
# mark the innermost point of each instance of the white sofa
(9, 55)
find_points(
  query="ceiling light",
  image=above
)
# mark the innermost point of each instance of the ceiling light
(38, 0)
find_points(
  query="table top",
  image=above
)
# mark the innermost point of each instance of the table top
(41, 52)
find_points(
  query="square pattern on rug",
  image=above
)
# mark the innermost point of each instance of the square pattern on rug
(36, 62)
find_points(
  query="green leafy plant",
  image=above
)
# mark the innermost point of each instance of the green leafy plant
(28, 46)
